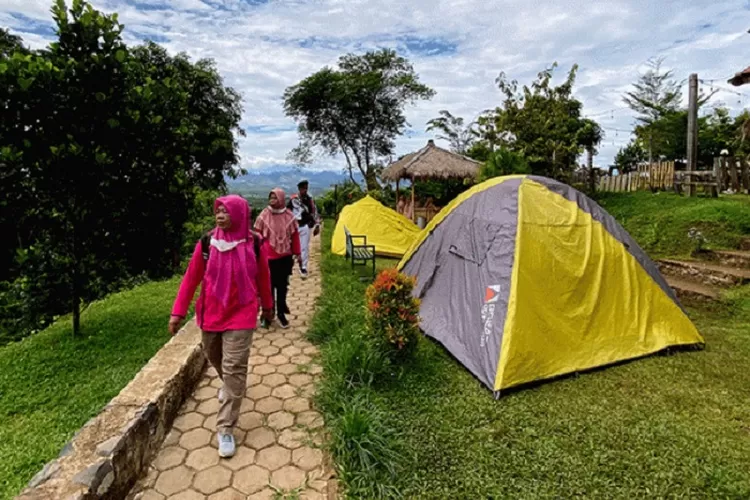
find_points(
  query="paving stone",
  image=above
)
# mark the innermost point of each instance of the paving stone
(202, 459)
(292, 335)
(307, 458)
(205, 393)
(258, 392)
(291, 351)
(169, 457)
(292, 438)
(197, 438)
(250, 420)
(280, 420)
(189, 405)
(285, 391)
(316, 369)
(217, 383)
(260, 343)
(209, 407)
(260, 438)
(311, 351)
(257, 360)
(264, 369)
(274, 336)
(269, 350)
(251, 479)
(243, 457)
(268, 405)
(188, 421)
(210, 422)
(274, 380)
(212, 480)
(174, 480)
(282, 342)
(228, 494)
(310, 419)
(301, 359)
(149, 495)
(288, 478)
(173, 438)
(188, 495)
(307, 391)
(273, 457)
(300, 379)
(211, 372)
(311, 495)
(278, 359)
(265, 494)
(287, 369)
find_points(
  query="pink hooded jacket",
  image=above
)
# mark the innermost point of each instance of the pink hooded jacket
(233, 313)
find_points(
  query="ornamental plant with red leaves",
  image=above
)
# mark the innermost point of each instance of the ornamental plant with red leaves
(393, 314)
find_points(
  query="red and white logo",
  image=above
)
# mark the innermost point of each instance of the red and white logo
(492, 294)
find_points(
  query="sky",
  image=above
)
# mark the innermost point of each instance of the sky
(458, 47)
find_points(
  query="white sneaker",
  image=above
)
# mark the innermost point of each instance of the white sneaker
(303, 273)
(226, 445)
(222, 395)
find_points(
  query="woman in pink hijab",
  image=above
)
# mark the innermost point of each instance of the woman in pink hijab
(235, 280)
(278, 226)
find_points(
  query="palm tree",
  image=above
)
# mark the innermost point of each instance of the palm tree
(459, 135)
(590, 135)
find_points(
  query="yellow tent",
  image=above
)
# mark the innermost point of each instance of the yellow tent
(523, 278)
(390, 232)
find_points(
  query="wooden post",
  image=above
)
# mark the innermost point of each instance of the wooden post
(745, 175)
(413, 204)
(692, 138)
(733, 174)
(717, 172)
(398, 195)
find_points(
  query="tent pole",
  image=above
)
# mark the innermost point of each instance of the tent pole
(413, 207)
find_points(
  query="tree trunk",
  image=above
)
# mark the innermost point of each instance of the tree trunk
(592, 176)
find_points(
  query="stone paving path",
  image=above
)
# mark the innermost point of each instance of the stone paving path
(278, 433)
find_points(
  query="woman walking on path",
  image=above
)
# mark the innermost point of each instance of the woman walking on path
(234, 271)
(277, 224)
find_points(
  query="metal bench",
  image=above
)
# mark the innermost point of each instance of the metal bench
(360, 254)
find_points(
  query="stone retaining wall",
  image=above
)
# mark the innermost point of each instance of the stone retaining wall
(108, 454)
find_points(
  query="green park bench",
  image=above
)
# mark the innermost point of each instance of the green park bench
(361, 253)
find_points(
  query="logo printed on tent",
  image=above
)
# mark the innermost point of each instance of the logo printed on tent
(491, 296)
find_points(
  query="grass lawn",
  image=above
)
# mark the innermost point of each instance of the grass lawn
(51, 384)
(664, 426)
(660, 222)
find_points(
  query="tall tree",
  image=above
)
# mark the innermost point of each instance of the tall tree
(104, 146)
(590, 135)
(629, 157)
(453, 129)
(541, 121)
(356, 110)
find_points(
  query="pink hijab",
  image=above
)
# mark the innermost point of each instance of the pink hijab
(277, 224)
(232, 252)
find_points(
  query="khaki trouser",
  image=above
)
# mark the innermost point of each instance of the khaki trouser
(228, 353)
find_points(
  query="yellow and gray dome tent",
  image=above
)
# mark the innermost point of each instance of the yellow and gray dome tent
(523, 278)
(390, 232)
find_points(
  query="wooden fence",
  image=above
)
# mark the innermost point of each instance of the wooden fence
(655, 177)
(732, 173)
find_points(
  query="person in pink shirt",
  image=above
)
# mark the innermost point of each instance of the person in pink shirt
(236, 284)
(277, 224)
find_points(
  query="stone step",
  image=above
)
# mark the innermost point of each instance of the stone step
(738, 259)
(704, 273)
(688, 291)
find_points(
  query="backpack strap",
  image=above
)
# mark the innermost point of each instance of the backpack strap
(206, 244)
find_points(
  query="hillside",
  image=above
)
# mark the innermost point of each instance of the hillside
(260, 182)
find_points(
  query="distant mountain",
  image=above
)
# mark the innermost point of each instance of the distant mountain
(260, 182)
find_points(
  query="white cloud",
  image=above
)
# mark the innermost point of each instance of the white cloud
(261, 47)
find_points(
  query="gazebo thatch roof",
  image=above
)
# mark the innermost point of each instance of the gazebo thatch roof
(431, 162)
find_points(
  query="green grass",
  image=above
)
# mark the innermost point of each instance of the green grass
(51, 383)
(674, 426)
(660, 222)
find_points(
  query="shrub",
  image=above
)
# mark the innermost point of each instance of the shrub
(393, 314)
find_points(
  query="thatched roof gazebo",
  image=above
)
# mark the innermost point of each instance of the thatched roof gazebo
(430, 162)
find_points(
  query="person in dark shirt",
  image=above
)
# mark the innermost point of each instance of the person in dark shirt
(303, 207)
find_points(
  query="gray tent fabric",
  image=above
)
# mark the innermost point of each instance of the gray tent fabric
(472, 251)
